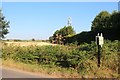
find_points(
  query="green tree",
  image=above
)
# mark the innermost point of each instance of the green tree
(65, 31)
(102, 20)
(33, 39)
(115, 20)
(58, 36)
(4, 25)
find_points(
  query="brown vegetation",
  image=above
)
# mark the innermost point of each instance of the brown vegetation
(28, 43)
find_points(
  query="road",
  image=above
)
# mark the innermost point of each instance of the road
(15, 73)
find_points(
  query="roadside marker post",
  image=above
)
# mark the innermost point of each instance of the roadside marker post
(99, 41)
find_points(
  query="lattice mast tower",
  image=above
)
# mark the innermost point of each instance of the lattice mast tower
(69, 22)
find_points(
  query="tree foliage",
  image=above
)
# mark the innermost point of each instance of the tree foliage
(59, 35)
(104, 22)
(4, 25)
(115, 20)
(65, 31)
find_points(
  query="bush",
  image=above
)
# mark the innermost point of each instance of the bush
(110, 55)
(82, 58)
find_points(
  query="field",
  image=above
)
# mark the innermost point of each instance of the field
(27, 43)
(63, 60)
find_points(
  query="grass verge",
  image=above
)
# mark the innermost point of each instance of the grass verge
(58, 72)
(55, 72)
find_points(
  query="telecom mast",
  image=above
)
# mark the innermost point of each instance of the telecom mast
(69, 21)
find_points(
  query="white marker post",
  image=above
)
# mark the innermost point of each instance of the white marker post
(99, 41)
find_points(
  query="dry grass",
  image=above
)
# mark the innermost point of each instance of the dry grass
(28, 43)
(57, 72)
(28, 68)
(52, 72)
(0, 53)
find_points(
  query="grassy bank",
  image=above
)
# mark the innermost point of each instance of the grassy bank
(64, 61)
(53, 71)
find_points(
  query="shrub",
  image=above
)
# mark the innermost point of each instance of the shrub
(82, 58)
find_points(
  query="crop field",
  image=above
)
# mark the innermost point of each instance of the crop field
(30, 43)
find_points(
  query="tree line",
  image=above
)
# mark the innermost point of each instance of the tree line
(104, 22)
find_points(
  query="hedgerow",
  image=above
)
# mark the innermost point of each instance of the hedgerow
(82, 58)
